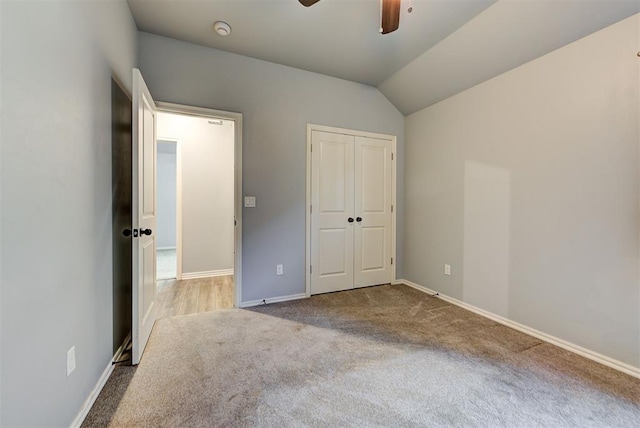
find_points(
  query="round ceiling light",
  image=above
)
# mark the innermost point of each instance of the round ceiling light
(222, 28)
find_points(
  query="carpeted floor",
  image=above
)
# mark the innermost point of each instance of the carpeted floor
(380, 356)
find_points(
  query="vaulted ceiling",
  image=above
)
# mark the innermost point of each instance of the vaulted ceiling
(441, 48)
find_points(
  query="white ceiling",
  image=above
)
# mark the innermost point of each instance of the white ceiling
(334, 37)
(506, 35)
(441, 48)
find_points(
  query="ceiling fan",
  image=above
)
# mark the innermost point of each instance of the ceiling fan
(390, 14)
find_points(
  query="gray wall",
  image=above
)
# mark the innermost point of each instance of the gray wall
(166, 195)
(207, 190)
(58, 58)
(527, 185)
(277, 103)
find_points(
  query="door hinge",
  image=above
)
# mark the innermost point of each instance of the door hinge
(235, 222)
(310, 208)
(391, 156)
(311, 148)
(310, 269)
(391, 208)
(391, 260)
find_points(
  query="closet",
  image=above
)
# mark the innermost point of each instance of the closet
(351, 211)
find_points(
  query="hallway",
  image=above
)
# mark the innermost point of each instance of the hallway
(194, 296)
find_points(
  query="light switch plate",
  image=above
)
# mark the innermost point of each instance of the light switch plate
(71, 360)
(447, 269)
(249, 201)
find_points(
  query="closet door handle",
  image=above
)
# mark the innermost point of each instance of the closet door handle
(145, 232)
(350, 219)
(358, 219)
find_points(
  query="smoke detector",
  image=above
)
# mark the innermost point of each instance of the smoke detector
(222, 28)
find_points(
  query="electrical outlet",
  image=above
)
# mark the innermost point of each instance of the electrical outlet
(71, 360)
(279, 270)
(447, 269)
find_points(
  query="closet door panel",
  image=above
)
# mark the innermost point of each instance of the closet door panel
(373, 199)
(332, 204)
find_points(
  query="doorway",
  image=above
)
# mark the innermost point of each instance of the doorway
(169, 209)
(198, 201)
(146, 302)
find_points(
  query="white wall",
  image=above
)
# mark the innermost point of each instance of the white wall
(166, 195)
(527, 185)
(207, 190)
(56, 284)
(638, 122)
(277, 102)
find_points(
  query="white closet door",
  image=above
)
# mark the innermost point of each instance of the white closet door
(373, 201)
(332, 204)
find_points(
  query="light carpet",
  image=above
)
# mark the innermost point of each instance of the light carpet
(379, 356)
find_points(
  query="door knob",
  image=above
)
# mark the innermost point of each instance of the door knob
(145, 232)
(350, 219)
(126, 232)
(358, 219)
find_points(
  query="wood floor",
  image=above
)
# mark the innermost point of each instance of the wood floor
(192, 296)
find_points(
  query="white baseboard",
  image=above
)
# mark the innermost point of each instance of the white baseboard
(587, 353)
(207, 274)
(93, 396)
(251, 303)
(165, 248)
(123, 346)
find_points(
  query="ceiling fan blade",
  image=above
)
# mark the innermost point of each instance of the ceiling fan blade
(390, 15)
(308, 3)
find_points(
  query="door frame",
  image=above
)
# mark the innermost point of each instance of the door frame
(352, 132)
(178, 143)
(166, 107)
